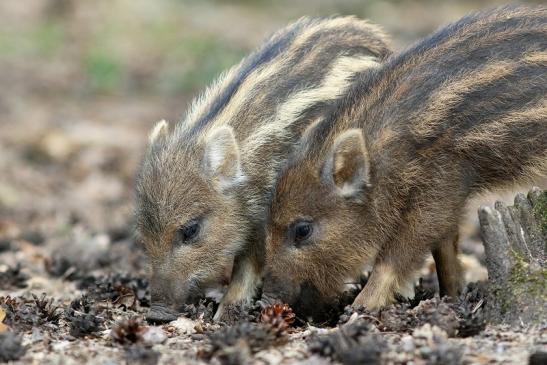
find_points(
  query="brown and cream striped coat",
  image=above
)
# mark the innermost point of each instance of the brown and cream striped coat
(382, 179)
(203, 188)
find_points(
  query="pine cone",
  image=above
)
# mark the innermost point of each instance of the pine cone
(127, 331)
(279, 316)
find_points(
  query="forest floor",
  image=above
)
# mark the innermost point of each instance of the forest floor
(76, 107)
(85, 301)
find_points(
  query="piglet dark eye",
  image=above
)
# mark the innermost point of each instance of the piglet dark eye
(188, 232)
(302, 231)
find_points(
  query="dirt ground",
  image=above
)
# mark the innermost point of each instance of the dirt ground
(83, 82)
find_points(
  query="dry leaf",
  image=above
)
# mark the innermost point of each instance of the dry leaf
(3, 327)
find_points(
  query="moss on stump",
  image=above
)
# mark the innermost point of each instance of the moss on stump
(515, 240)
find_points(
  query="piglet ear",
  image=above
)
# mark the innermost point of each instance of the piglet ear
(221, 160)
(347, 165)
(160, 130)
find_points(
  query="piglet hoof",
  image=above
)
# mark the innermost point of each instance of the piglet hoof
(360, 301)
(159, 313)
(371, 301)
(219, 313)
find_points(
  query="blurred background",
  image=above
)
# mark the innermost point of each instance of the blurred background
(84, 81)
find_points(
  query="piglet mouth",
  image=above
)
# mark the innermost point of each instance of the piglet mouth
(160, 313)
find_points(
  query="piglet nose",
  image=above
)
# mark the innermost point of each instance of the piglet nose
(160, 313)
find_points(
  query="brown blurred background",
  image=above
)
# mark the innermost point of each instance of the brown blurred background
(83, 82)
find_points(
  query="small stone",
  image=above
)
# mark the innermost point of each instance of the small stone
(198, 336)
(37, 335)
(315, 360)
(11, 348)
(153, 335)
(428, 332)
(141, 355)
(38, 282)
(425, 352)
(60, 346)
(407, 343)
(183, 326)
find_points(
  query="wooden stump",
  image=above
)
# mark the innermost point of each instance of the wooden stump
(515, 242)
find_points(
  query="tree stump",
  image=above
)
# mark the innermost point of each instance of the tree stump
(515, 242)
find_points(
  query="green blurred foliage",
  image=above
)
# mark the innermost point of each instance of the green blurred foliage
(104, 72)
(47, 38)
(41, 40)
(173, 48)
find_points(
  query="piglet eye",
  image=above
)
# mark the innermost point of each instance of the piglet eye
(302, 231)
(188, 232)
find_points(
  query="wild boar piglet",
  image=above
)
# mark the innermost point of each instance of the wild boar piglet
(383, 177)
(203, 188)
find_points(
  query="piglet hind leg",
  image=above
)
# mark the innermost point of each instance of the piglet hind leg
(392, 274)
(449, 270)
(380, 289)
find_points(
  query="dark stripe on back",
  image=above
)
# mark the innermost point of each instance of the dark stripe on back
(299, 71)
(448, 63)
(510, 93)
(366, 80)
(269, 51)
(477, 26)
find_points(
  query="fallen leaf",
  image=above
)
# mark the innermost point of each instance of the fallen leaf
(126, 298)
(3, 327)
(184, 325)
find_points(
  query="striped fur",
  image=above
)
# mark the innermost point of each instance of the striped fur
(460, 112)
(217, 167)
